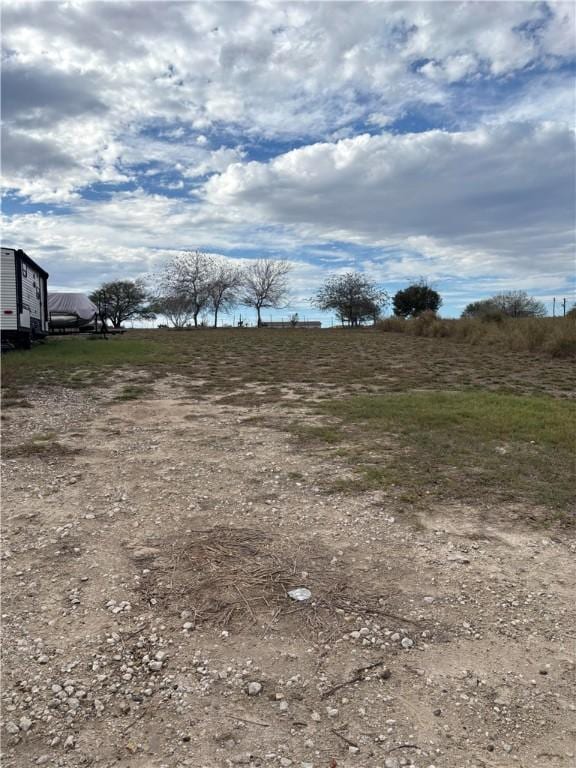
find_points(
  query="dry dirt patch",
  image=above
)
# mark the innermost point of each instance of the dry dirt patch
(109, 551)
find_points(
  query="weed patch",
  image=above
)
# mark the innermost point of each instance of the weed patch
(131, 392)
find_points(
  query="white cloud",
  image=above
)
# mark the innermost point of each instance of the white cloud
(264, 69)
(501, 195)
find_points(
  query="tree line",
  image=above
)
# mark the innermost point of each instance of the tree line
(195, 283)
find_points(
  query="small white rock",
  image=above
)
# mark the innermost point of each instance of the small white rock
(254, 688)
(25, 723)
(70, 742)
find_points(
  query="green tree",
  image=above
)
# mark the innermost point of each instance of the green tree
(352, 296)
(121, 300)
(485, 309)
(417, 298)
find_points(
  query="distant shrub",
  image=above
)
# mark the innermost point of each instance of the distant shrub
(506, 304)
(392, 324)
(562, 342)
(426, 323)
(554, 337)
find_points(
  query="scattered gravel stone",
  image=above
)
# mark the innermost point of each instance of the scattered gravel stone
(242, 759)
(462, 559)
(70, 742)
(254, 688)
(407, 642)
(25, 723)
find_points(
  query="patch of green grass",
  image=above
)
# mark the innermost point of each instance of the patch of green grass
(467, 445)
(131, 392)
(307, 433)
(480, 416)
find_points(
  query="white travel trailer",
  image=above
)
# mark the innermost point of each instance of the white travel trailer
(23, 299)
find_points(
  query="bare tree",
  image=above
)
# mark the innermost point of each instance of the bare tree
(507, 304)
(225, 283)
(177, 308)
(518, 304)
(188, 275)
(265, 285)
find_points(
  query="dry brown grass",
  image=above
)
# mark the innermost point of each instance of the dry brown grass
(555, 337)
(226, 576)
(329, 361)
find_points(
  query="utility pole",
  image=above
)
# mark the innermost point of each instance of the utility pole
(564, 307)
(554, 307)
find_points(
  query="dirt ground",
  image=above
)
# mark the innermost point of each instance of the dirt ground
(147, 557)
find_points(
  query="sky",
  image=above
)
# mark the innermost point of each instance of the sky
(409, 140)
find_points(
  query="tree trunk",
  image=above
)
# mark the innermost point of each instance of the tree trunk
(196, 319)
(259, 318)
(216, 317)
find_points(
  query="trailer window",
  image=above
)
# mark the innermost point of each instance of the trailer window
(24, 269)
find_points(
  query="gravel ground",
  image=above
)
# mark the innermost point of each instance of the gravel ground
(148, 550)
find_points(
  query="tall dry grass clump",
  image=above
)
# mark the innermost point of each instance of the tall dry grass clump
(551, 336)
